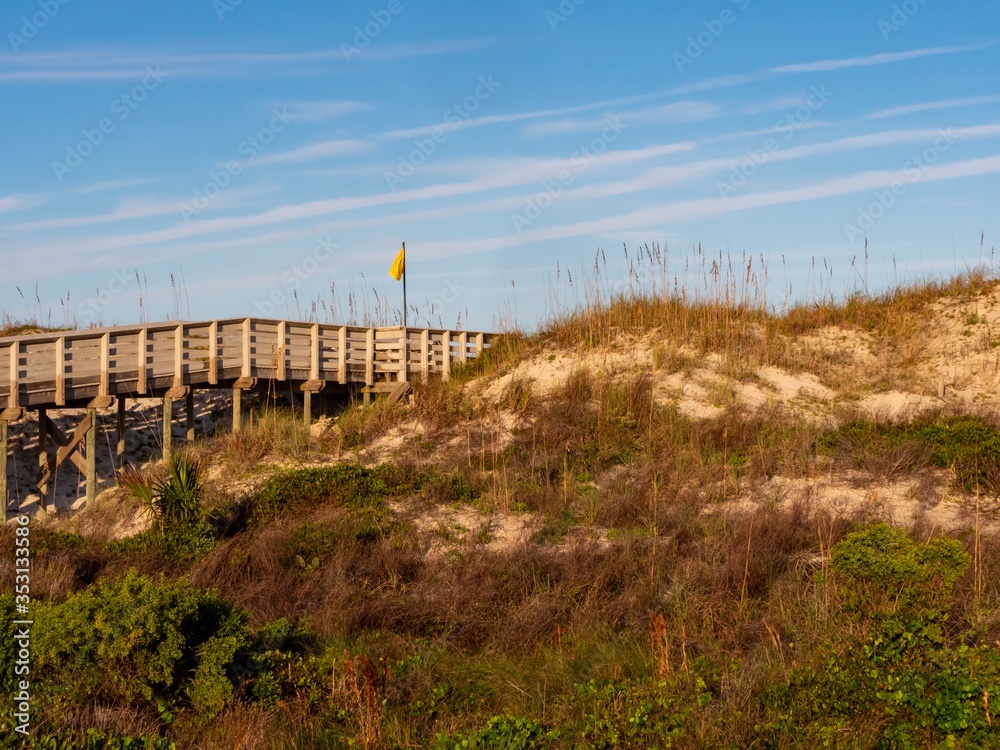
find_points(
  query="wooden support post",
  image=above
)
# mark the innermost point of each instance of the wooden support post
(168, 429)
(480, 343)
(425, 345)
(91, 456)
(463, 348)
(3, 465)
(189, 414)
(307, 398)
(120, 450)
(43, 456)
(237, 409)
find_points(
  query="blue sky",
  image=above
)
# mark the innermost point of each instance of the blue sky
(242, 156)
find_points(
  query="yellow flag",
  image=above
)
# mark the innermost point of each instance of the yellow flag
(398, 265)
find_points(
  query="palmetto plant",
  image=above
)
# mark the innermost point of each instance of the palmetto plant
(174, 500)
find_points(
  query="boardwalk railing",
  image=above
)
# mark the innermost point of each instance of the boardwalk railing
(67, 368)
(103, 367)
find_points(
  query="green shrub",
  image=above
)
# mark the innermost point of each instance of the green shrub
(891, 668)
(348, 485)
(158, 642)
(967, 443)
(95, 740)
(175, 503)
(885, 566)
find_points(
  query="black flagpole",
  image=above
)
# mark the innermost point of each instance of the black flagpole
(404, 285)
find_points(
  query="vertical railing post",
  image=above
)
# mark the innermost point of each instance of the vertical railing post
(446, 355)
(61, 371)
(179, 355)
(314, 359)
(213, 353)
(370, 356)
(480, 343)
(342, 346)
(105, 364)
(143, 341)
(404, 355)
(463, 348)
(247, 362)
(425, 341)
(280, 351)
(15, 366)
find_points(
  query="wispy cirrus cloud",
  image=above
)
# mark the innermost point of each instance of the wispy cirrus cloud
(21, 202)
(685, 211)
(521, 172)
(321, 111)
(911, 109)
(883, 58)
(562, 116)
(821, 66)
(675, 112)
(102, 65)
(323, 150)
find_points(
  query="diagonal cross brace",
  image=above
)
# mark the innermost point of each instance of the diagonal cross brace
(68, 448)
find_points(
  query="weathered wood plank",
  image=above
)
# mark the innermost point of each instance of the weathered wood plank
(99, 364)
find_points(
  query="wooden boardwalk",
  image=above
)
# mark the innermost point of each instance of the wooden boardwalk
(101, 367)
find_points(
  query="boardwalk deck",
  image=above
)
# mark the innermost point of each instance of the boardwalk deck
(95, 368)
(71, 368)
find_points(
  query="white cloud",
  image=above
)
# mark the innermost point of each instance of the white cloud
(691, 210)
(884, 58)
(318, 111)
(21, 202)
(324, 150)
(675, 112)
(910, 109)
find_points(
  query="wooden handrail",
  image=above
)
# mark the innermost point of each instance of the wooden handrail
(55, 368)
